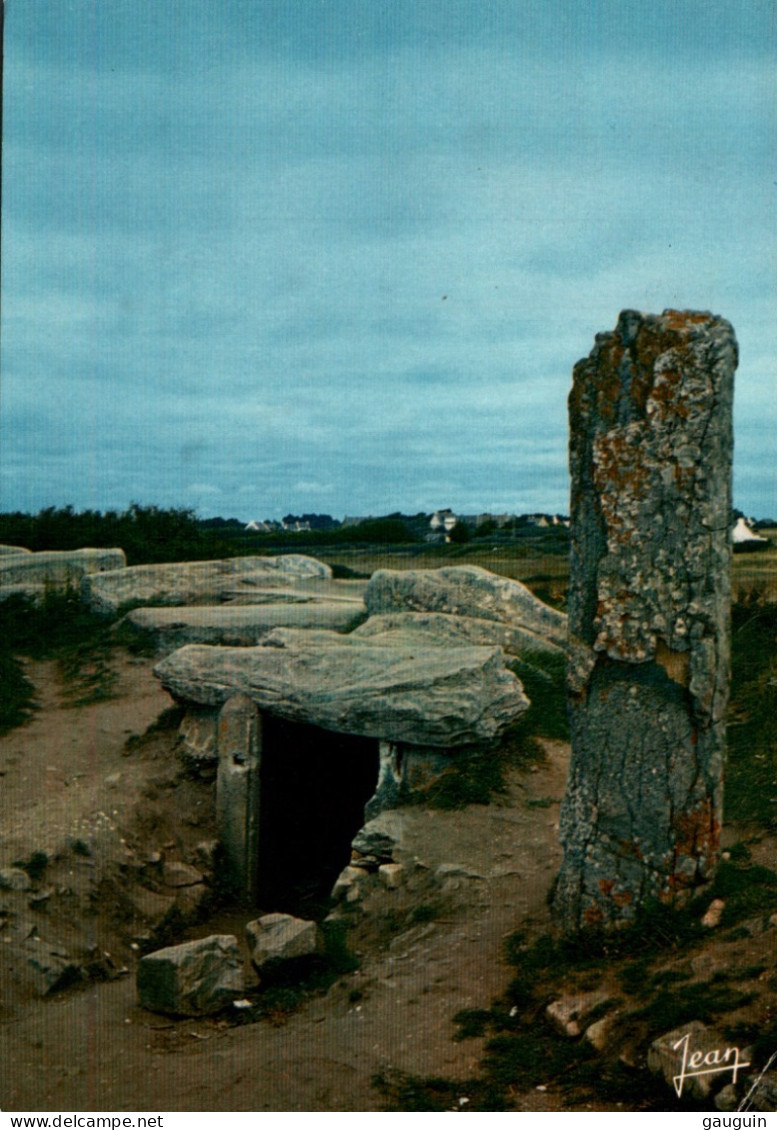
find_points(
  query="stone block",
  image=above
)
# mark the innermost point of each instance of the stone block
(193, 979)
(281, 937)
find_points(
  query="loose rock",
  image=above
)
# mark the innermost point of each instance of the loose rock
(280, 937)
(193, 979)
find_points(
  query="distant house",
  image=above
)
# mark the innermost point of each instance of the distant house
(743, 536)
(442, 521)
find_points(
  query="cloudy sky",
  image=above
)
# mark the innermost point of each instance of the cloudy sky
(263, 256)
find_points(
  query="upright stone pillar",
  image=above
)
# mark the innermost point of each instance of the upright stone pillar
(237, 794)
(649, 603)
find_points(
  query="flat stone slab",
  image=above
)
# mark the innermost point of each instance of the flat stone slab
(58, 567)
(241, 625)
(239, 579)
(9, 550)
(464, 590)
(428, 696)
(441, 629)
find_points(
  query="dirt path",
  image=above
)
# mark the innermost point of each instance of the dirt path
(95, 1049)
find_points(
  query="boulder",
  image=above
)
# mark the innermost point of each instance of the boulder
(193, 979)
(696, 1060)
(242, 625)
(51, 967)
(237, 580)
(9, 550)
(464, 590)
(429, 696)
(58, 568)
(281, 937)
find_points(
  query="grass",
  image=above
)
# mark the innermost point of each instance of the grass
(751, 774)
(58, 628)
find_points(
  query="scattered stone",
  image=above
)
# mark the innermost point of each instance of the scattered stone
(206, 855)
(689, 1058)
(391, 875)
(431, 696)
(456, 871)
(193, 979)
(714, 914)
(464, 590)
(180, 875)
(238, 579)
(380, 836)
(40, 897)
(52, 968)
(14, 879)
(350, 877)
(280, 937)
(601, 1033)
(728, 1098)
(569, 1014)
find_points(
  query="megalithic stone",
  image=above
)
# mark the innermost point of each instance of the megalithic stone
(649, 606)
(239, 740)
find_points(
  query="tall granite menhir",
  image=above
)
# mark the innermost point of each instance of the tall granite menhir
(650, 456)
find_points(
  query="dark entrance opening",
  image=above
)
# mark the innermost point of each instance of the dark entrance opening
(314, 785)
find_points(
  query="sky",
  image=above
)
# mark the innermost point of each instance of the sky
(340, 256)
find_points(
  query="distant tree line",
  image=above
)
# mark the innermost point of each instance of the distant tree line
(147, 534)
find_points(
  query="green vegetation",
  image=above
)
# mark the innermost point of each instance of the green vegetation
(58, 628)
(751, 774)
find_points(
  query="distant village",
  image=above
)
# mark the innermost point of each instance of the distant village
(445, 526)
(437, 527)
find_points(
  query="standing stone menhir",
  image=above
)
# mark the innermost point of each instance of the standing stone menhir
(649, 604)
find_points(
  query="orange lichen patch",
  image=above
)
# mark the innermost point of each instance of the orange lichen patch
(623, 898)
(698, 838)
(606, 886)
(630, 849)
(593, 915)
(681, 319)
(677, 664)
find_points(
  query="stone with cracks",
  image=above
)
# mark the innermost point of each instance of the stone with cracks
(193, 979)
(281, 937)
(650, 457)
(240, 580)
(441, 629)
(464, 590)
(58, 568)
(427, 696)
(242, 625)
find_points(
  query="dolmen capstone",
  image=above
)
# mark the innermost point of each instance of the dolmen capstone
(237, 580)
(427, 696)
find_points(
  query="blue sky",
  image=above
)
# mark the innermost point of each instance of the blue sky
(263, 256)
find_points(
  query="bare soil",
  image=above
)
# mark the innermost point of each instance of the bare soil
(110, 809)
